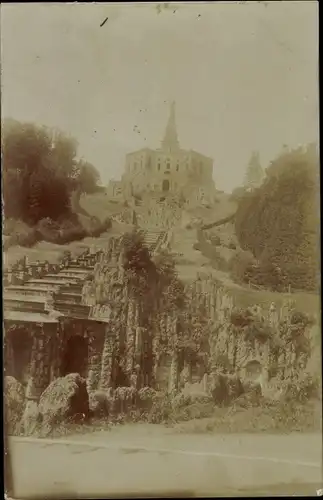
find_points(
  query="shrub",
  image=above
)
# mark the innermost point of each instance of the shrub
(241, 318)
(225, 388)
(161, 410)
(305, 388)
(241, 266)
(19, 233)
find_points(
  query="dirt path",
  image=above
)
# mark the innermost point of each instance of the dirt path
(137, 459)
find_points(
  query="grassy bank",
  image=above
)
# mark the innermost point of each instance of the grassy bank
(278, 419)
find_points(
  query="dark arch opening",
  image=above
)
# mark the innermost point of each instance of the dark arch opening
(253, 369)
(75, 359)
(20, 342)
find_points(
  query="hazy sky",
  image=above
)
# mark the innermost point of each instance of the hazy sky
(244, 77)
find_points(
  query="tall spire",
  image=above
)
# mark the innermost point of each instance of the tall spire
(170, 141)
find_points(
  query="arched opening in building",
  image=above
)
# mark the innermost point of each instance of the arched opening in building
(75, 358)
(165, 185)
(253, 370)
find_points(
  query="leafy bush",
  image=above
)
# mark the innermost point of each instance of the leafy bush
(61, 232)
(241, 266)
(161, 410)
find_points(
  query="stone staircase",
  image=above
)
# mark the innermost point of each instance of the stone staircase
(59, 289)
(59, 292)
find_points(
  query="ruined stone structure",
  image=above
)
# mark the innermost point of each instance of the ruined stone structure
(84, 318)
(168, 170)
(50, 330)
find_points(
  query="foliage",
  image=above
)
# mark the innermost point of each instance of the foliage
(153, 281)
(292, 330)
(18, 233)
(54, 231)
(40, 171)
(303, 389)
(251, 325)
(155, 286)
(241, 266)
(88, 177)
(278, 222)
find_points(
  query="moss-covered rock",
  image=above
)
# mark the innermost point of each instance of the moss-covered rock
(65, 399)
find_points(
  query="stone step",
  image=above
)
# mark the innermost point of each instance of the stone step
(68, 297)
(50, 282)
(30, 290)
(81, 268)
(75, 310)
(10, 295)
(25, 305)
(73, 288)
(65, 276)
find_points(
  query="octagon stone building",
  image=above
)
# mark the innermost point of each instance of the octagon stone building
(169, 170)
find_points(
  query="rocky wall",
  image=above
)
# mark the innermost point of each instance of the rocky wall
(96, 338)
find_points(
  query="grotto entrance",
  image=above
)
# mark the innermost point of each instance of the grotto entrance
(20, 344)
(75, 358)
(253, 370)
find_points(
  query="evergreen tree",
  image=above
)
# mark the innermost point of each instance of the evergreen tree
(254, 173)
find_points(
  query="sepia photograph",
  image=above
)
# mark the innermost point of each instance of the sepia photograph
(161, 249)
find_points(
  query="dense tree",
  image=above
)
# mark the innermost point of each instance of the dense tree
(40, 171)
(88, 177)
(279, 221)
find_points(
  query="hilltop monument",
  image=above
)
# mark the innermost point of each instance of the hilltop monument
(168, 170)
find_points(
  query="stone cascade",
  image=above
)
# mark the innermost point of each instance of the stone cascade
(89, 298)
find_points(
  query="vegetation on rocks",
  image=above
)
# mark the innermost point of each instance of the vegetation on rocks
(14, 401)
